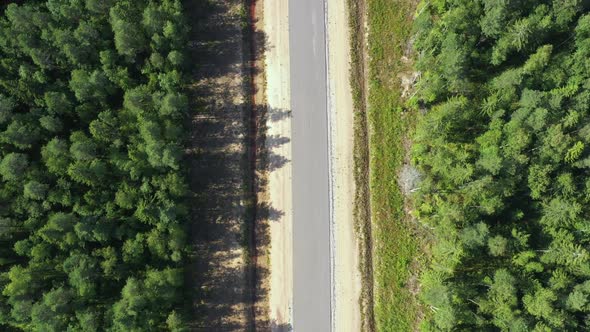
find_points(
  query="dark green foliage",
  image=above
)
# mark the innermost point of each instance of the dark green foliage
(92, 207)
(504, 150)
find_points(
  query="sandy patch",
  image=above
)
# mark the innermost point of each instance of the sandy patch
(278, 134)
(347, 277)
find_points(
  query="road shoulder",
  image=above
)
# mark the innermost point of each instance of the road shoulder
(278, 202)
(347, 277)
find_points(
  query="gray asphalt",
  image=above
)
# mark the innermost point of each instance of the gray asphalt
(311, 202)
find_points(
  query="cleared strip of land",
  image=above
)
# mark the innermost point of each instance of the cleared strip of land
(218, 166)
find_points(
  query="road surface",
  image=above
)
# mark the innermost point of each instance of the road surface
(312, 286)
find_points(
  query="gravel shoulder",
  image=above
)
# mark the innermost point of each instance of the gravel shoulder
(347, 277)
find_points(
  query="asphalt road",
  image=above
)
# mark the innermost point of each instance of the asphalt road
(309, 139)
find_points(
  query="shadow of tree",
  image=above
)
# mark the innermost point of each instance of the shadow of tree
(219, 296)
(276, 141)
(279, 115)
(220, 290)
(269, 213)
(274, 327)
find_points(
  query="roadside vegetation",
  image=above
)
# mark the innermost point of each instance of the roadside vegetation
(92, 212)
(503, 147)
(395, 246)
(362, 196)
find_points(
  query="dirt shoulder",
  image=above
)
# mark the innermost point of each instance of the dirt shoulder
(277, 204)
(347, 277)
(362, 173)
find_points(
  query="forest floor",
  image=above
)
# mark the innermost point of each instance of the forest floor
(347, 277)
(219, 180)
(276, 200)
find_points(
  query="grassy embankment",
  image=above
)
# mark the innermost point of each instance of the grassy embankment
(395, 247)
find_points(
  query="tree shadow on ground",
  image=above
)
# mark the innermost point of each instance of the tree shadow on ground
(220, 294)
(274, 327)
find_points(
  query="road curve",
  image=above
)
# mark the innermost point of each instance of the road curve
(312, 286)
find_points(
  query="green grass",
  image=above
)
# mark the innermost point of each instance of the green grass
(394, 243)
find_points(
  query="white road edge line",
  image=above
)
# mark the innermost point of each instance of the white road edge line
(329, 109)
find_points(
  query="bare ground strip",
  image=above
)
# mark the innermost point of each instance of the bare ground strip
(221, 296)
